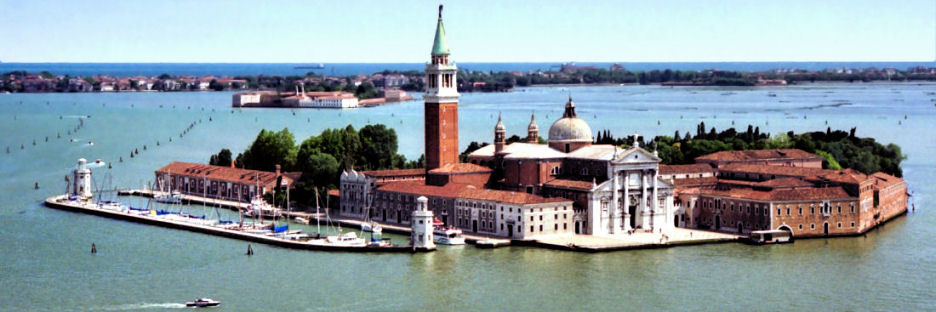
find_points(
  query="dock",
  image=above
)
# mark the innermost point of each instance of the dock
(579, 243)
(62, 202)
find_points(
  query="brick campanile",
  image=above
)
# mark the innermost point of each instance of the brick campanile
(441, 104)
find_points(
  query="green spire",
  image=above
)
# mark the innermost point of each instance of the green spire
(439, 45)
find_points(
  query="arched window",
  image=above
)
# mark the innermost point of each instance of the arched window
(584, 171)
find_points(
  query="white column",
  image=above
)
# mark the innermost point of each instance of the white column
(656, 201)
(613, 219)
(643, 200)
(626, 208)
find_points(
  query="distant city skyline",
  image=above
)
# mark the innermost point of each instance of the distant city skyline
(514, 31)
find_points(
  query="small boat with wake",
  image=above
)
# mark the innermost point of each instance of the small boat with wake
(203, 303)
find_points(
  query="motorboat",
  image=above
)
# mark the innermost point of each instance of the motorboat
(444, 235)
(203, 303)
(349, 239)
(372, 227)
(302, 220)
(258, 207)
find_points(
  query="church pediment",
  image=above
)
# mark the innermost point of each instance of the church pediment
(635, 155)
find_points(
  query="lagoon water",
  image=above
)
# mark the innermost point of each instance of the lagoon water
(45, 263)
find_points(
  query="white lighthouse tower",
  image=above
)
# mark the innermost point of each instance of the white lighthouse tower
(82, 180)
(422, 225)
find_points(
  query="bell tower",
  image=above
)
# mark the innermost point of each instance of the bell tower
(441, 104)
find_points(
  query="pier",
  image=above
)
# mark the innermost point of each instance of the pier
(62, 202)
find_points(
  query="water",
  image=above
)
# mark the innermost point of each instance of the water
(348, 69)
(45, 263)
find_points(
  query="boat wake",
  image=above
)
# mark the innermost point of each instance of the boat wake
(140, 306)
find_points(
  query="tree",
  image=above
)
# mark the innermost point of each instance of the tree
(378, 146)
(270, 149)
(215, 85)
(222, 158)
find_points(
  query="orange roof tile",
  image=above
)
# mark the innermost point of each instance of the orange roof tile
(570, 184)
(222, 173)
(461, 168)
(508, 197)
(691, 168)
(758, 155)
(394, 172)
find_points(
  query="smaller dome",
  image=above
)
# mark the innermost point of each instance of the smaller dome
(499, 127)
(533, 126)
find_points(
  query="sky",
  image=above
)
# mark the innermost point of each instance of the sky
(400, 31)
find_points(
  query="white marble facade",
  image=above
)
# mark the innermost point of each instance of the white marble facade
(626, 200)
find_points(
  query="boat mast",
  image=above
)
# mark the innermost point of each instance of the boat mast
(318, 218)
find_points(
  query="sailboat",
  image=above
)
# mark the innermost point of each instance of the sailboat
(349, 239)
(169, 196)
(370, 225)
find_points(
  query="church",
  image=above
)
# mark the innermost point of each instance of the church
(522, 190)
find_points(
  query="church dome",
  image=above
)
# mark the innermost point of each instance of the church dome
(570, 128)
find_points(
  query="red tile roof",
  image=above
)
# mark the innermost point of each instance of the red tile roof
(461, 168)
(460, 190)
(421, 188)
(883, 180)
(394, 172)
(691, 168)
(570, 184)
(794, 194)
(695, 182)
(222, 173)
(508, 197)
(775, 170)
(758, 155)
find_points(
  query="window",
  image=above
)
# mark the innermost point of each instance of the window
(531, 228)
(801, 212)
(853, 224)
(584, 171)
(541, 227)
(778, 211)
(565, 226)
(788, 210)
(812, 226)
(800, 226)
(840, 225)
(556, 227)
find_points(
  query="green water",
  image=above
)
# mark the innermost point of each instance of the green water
(45, 263)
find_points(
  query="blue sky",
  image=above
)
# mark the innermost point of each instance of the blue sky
(478, 31)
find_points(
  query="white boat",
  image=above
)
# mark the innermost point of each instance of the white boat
(203, 303)
(372, 227)
(347, 239)
(447, 235)
(174, 197)
(260, 208)
(301, 220)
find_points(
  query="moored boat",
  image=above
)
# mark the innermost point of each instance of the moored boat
(769, 237)
(349, 239)
(447, 235)
(373, 227)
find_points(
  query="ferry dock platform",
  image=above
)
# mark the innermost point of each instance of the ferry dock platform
(579, 243)
(61, 202)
